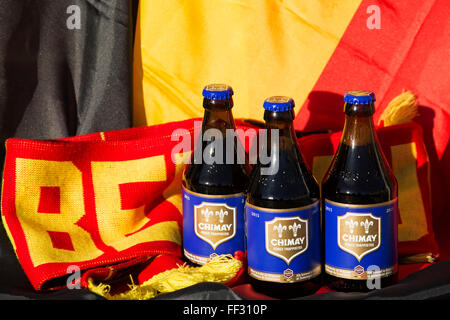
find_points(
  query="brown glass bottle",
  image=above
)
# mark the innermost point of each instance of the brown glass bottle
(278, 200)
(214, 185)
(359, 206)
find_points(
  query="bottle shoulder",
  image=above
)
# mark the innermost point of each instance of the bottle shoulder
(289, 187)
(216, 178)
(359, 175)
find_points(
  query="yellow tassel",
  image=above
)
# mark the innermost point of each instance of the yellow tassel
(401, 109)
(419, 258)
(219, 269)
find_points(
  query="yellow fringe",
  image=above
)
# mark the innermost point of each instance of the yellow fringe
(419, 258)
(401, 109)
(219, 269)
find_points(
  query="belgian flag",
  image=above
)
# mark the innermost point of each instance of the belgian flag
(313, 51)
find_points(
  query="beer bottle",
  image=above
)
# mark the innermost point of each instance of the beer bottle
(359, 194)
(214, 185)
(282, 211)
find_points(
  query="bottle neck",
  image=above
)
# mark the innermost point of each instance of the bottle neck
(218, 115)
(218, 135)
(283, 123)
(279, 150)
(220, 120)
(358, 130)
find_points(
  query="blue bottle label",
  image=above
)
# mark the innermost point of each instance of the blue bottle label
(361, 240)
(212, 225)
(283, 245)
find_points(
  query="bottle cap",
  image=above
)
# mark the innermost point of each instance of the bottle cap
(359, 97)
(217, 91)
(279, 103)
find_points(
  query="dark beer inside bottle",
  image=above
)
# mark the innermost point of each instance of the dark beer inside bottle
(287, 192)
(210, 171)
(220, 177)
(294, 187)
(358, 175)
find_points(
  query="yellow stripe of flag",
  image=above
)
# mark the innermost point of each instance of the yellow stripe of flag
(260, 48)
